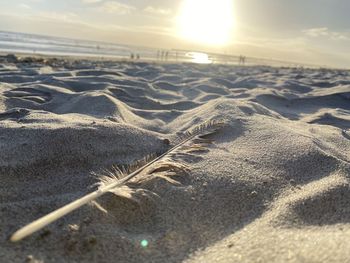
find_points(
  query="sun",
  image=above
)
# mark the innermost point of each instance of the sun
(209, 22)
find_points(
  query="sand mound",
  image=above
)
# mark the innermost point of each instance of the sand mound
(274, 187)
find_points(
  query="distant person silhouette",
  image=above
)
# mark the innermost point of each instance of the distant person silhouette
(241, 60)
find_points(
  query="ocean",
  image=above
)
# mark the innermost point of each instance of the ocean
(14, 42)
(48, 45)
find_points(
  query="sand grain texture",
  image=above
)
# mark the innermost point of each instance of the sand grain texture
(273, 188)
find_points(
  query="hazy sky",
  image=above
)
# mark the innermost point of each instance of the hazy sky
(311, 31)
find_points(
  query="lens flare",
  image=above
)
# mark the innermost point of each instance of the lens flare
(144, 243)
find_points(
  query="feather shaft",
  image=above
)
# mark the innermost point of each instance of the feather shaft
(40, 223)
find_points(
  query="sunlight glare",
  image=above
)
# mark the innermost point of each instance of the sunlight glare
(198, 57)
(206, 21)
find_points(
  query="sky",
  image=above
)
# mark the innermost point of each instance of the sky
(305, 31)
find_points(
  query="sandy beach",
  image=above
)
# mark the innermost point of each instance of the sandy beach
(274, 187)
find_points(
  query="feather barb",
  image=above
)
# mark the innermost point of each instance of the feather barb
(115, 183)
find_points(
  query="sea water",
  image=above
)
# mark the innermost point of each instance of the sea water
(47, 45)
(13, 42)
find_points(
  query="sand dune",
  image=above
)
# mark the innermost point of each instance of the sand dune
(274, 187)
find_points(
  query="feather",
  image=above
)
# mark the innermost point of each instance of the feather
(126, 182)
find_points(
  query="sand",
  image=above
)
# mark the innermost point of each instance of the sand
(273, 188)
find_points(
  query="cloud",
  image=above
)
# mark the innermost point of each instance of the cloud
(90, 1)
(316, 32)
(116, 8)
(340, 36)
(24, 6)
(325, 32)
(68, 17)
(157, 11)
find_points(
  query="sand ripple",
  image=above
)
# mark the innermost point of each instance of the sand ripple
(274, 188)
